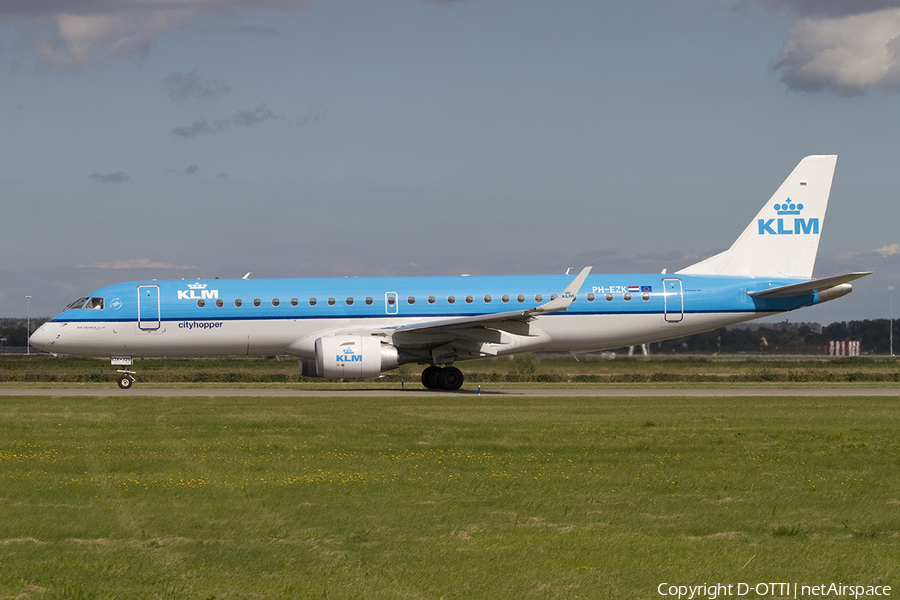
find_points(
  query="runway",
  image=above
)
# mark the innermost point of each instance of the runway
(634, 392)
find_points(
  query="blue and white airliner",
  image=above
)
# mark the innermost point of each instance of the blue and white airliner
(361, 327)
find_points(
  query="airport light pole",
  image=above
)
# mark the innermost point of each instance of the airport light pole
(891, 290)
(27, 324)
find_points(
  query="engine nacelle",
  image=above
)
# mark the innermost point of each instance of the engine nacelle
(350, 357)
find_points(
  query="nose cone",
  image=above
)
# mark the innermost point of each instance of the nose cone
(45, 336)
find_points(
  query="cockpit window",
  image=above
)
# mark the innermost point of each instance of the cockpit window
(77, 304)
(94, 304)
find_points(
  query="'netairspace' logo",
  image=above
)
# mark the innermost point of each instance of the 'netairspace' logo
(797, 591)
(784, 226)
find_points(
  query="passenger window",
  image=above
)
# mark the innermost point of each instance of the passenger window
(627, 297)
(411, 300)
(520, 298)
(487, 299)
(220, 303)
(645, 296)
(312, 301)
(590, 297)
(538, 298)
(392, 300)
(349, 301)
(451, 299)
(369, 301)
(505, 298)
(257, 302)
(238, 302)
(609, 297)
(294, 302)
(431, 300)
(331, 302)
(553, 297)
(469, 299)
(201, 303)
(275, 301)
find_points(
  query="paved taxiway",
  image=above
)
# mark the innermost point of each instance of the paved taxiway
(485, 391)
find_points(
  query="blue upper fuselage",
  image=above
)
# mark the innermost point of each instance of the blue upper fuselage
(424, 297)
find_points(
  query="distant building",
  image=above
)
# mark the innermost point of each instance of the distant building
(781, 326)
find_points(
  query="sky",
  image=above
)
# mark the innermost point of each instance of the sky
(148, 139)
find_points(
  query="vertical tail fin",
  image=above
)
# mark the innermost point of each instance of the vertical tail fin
(783, 239)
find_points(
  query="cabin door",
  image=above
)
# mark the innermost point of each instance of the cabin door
(674, 300)
(148, 307)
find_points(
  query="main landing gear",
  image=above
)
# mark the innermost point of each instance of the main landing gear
(445, 378)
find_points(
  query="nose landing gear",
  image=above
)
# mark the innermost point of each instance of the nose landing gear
(126, 380)
(446, 378)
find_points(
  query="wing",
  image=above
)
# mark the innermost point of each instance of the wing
(448, 340)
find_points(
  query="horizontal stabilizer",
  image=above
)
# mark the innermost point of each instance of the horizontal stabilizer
(804, 288)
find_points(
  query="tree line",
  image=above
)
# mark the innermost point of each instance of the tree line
(873, 335)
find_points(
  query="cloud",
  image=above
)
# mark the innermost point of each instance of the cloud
(847, 55)
(822, 8)
(117, 177)
(888, 250)
(137, 263)
(248, 118)
(838, 46)
(189, 85)
(192, 170)
(88, 32)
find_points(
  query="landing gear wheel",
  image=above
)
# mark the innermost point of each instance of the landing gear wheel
(451, 378)
(431, 377)
(126, 381)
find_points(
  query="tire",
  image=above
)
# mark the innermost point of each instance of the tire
(431, 377)
(125, 382)
(451, 378)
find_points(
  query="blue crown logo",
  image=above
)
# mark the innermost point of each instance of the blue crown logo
(788, 208)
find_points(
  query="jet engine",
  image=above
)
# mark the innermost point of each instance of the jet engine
(350, 357)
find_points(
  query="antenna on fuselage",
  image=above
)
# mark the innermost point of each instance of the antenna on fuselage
(247, 276)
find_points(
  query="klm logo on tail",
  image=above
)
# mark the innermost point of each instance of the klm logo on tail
(783, 225)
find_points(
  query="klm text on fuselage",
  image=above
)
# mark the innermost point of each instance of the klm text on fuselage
(192, 295)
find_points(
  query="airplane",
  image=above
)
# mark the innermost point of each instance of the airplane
(361, 327)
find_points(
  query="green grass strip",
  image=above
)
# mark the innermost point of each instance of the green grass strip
(442, 497)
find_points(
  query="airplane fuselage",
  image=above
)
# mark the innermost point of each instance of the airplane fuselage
(280, 316)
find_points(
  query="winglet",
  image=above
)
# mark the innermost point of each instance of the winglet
(562, 301)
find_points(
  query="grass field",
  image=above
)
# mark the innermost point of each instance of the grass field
(525, 368)
(451, 496)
